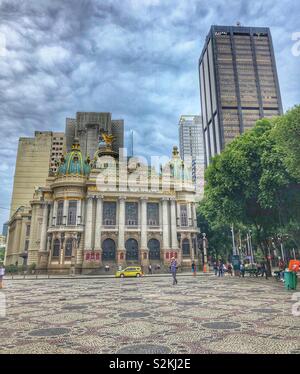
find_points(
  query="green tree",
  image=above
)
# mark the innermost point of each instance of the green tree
(249, 184)
(287, 133)
(2, 251)
(218, 235)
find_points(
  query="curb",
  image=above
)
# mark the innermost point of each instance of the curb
(37, 278)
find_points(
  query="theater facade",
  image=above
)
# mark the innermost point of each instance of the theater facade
(110, 210)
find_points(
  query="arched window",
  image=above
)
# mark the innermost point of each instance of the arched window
(132, 250)
(154, 249)
(186, 248)
(108, 250)
(56, 248)
(69, 246)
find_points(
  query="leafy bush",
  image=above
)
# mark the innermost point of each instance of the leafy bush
(13, 269)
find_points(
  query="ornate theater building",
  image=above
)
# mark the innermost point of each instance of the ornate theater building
(106, 211)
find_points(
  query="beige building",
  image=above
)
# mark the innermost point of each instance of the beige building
(36, 157)
(106, 211)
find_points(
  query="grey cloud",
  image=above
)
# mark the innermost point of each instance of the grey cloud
(135, 58)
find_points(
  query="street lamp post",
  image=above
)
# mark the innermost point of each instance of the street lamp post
(204, 253)
(281, 247)
(251, 248)
(233, 241)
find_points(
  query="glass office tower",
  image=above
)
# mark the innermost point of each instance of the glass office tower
(238, 83)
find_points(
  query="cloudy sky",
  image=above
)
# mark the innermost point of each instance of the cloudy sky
(134, 58)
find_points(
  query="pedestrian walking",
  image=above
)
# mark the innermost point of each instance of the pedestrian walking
(229, 269)
(2, 272)
(221, 269)
(263, 270)
(173, 268)
(242, 269)
(216, 268)
(150, 269)
(194, 268)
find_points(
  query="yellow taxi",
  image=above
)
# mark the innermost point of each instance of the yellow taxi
(130, 271)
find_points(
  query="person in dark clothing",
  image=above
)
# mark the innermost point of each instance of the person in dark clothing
(229, 268)
(173, 268)
(150, 269)
(194, 268)
(221, 269)
(216, 268)
(242, 269)
(263, 270)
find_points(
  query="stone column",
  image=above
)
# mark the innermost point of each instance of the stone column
(192, 248)
(144, 223)
(178, 215)
(82, 212)
(121, 236)
(121, 244)
(63, 239)
(98, 224)
(195, 214)
(174, 242)
(43, 241)
(65, 212)
(88, 224)
(144, 253)
(54, 218)
(165, 222)
(51, 215)
(78, 213)
(189, 215)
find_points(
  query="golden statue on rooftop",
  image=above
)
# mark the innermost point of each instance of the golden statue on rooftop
(107, 138)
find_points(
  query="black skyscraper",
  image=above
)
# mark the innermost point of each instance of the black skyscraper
(238, 83)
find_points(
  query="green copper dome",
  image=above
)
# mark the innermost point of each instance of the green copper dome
(73, 163)
(179, 170)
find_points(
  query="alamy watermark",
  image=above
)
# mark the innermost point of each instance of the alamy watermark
(296, 45)
(137, 174)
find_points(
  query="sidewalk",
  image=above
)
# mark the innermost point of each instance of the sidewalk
(78, 276)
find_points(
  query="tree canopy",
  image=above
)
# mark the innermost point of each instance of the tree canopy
(255, 180)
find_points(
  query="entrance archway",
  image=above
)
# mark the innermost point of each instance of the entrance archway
(108, 250)
(154, 249)
(132, 250)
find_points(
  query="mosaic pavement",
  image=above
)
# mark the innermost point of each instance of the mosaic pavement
(200, 315)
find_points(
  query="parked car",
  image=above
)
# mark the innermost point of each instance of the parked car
(130, 271)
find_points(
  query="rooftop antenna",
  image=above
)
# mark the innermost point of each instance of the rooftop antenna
(131, 143)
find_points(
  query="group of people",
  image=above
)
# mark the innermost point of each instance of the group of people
(220, 268)
(156, 268)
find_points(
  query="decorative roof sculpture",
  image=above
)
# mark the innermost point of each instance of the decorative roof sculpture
(73, 163)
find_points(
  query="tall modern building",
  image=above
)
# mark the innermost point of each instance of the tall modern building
(238, 83)
(191, 147)
(87, 127)
(36, 157)
(4, 229)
